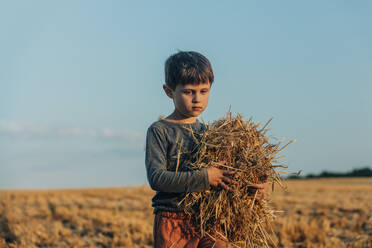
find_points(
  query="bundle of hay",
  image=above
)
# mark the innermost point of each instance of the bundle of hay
(236, 215)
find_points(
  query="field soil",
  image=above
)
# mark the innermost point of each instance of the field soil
(311, 213)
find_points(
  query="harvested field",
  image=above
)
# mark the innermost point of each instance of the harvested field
(316, 213)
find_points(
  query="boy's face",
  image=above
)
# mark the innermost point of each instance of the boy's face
(189, 100)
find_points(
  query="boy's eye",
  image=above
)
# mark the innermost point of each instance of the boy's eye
(187, 92)
(204, 91)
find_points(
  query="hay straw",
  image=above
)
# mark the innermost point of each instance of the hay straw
(236, 215)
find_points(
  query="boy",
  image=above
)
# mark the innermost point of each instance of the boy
(169, 143)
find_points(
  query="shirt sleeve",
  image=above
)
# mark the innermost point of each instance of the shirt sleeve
(160, 179)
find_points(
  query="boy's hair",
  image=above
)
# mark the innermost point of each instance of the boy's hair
(187, 68)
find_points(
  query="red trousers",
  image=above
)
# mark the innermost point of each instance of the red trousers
(177, 230)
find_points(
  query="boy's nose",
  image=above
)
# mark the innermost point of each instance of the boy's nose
(196, 98)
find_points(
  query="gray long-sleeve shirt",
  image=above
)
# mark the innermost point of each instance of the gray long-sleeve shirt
(164, 141)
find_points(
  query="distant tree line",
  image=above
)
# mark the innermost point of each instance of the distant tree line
(358, 172)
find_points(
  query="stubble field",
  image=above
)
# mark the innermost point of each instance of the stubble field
(316, 213)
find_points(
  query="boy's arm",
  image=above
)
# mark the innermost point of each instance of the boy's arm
(169, 181)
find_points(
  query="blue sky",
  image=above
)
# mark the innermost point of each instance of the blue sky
(80, 82)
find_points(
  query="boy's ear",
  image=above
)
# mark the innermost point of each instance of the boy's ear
(168, 91)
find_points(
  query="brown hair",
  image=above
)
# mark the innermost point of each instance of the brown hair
(187, 68)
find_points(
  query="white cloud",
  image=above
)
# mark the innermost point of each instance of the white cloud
(35, 131)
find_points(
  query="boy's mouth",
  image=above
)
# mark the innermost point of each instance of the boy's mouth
(196, 108)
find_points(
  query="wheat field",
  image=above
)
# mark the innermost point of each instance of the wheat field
(311, 213)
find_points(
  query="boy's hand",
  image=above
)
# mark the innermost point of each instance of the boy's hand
(261, 190)
(219, 177)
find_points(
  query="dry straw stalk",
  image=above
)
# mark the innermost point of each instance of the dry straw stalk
(236, 215)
